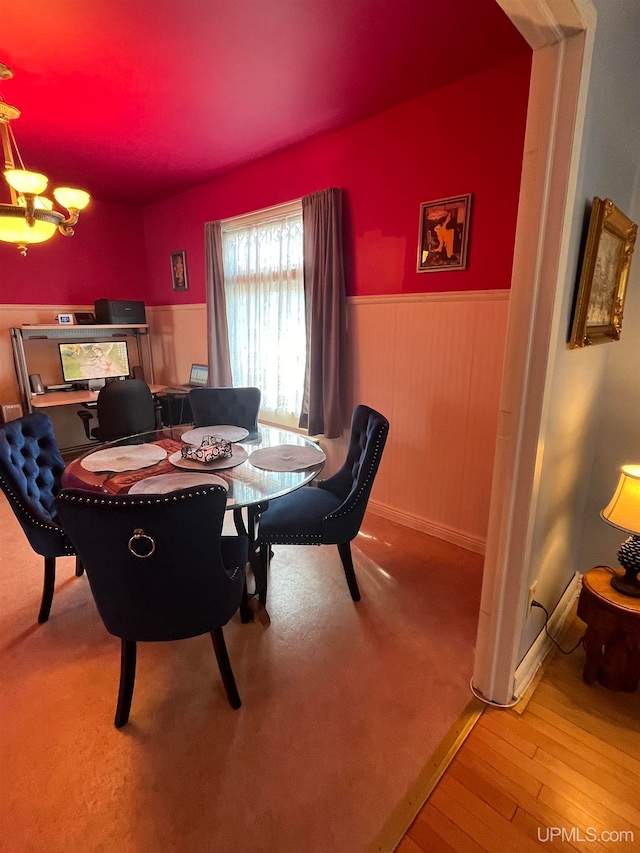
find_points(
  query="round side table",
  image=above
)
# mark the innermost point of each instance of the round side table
(612, 639)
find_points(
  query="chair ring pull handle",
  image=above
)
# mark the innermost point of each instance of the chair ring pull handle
(150, 545)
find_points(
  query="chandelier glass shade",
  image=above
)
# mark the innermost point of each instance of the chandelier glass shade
(29, 216)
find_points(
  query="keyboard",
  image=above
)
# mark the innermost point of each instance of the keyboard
(177, 390)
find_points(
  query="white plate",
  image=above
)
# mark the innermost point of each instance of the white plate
(238, 456)
(286, 457)
(226, 431)
(127, 458)
(162, 484)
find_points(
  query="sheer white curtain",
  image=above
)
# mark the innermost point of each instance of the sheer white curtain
(263, 274)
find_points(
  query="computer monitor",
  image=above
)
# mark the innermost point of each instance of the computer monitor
(199, 375)
(93, 360)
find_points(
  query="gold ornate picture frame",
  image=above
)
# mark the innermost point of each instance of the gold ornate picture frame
(599, 307)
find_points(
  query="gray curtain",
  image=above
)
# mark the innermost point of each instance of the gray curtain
(217, 329)
(323, 407)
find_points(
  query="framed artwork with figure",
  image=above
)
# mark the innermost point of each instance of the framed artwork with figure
(444, 234)
(179, 270)
(599, 306)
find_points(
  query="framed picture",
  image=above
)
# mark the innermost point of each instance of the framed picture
(444, 234)
(179, 270)
(599, 305)
(64, 319)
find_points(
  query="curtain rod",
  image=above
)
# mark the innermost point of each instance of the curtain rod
(274, 208)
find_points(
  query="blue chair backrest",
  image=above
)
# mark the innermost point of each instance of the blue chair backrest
(30, 470)
(354, 481)
(235, 406)
(183, 588)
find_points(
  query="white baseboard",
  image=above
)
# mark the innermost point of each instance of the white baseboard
(456, 537)
(542, 644)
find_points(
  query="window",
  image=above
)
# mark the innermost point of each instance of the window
(264, 291)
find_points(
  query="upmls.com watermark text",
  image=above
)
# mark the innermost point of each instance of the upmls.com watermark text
(574, 834)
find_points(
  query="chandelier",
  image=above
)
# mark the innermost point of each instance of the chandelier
(30, 217)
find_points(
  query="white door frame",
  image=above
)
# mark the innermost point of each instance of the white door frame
(561, 34)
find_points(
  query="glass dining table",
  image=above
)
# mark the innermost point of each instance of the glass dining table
(261, 467)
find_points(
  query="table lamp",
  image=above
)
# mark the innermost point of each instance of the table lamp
(623, 511)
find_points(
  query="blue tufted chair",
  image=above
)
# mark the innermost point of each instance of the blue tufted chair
(159, 569)
(332, 513)
(30, 471)
(236, 406)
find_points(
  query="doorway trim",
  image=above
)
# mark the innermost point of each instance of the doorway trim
(561, 35)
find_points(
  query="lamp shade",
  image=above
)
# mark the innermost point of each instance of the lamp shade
(26, 182)
(623, 510)
(14, 229)
(71, 199)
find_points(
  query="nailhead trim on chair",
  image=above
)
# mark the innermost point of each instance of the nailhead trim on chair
(306, 538)
(142, 502)
(54, 528)
(147, 502)
(362, 488)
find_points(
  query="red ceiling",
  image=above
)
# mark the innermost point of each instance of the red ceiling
(136, 100)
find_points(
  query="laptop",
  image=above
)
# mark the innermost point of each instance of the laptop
(198, 378)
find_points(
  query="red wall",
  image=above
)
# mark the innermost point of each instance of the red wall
(105, 258)
(467, 137)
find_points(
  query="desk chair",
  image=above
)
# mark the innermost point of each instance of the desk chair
(30, 471)
(159, 569)
(332, 513)
(124, 408)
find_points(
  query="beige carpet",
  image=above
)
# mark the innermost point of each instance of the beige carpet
(343, 705)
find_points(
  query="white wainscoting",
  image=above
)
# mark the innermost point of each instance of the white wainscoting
(432, 364)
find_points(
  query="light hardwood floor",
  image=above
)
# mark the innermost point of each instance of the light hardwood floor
(570, 760)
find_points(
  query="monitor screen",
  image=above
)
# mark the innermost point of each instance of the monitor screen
(93, 360)
(199, 374)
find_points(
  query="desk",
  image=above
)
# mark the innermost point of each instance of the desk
(612, 639)
(70, 398)
(62, 407)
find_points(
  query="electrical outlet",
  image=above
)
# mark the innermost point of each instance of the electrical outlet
(532, 594)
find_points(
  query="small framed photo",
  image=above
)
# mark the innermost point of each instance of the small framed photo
(599, 307)
(444, 234)
(64, 319)
(179, 270)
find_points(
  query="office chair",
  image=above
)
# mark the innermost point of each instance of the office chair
(124, 408)
(159, 569)
(235, 406)
(332, 513)
(30, 471)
